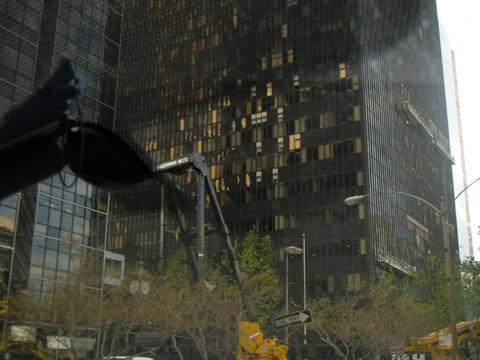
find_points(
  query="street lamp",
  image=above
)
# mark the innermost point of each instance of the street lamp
(289, 250)
(353, 200)
(294, 250)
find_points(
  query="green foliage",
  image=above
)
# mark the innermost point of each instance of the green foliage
(255, 254)
(431, 286)
(256, 258)
(470, 275)
(428, 289)
(179, 268)
(431, 281)
(372, 321)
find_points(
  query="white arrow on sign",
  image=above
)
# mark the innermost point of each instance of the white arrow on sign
(298, 317)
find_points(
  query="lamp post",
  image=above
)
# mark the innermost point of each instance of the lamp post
(289, 250)
(304, 253)
(353, 200)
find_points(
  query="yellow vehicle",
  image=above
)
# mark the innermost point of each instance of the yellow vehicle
(253, 346)
(438, 345)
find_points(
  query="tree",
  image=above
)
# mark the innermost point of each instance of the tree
(261, 283)
(470, 275)
(210, 319)
(334, 323)
(69, 312)
(190, 316)
(431, 288)
(389, 320)
(372, 321)
(177, 310)
(430, 284)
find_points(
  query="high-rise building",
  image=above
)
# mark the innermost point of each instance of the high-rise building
(296, 105)
(19, 30)
(464, 230)
(51, 227)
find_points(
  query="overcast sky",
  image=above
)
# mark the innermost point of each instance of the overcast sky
(459, 19)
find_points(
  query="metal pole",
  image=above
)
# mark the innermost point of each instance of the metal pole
(12, 260)
(102, 290)
(162, 227)
(286, 294)
(304, 288)
(452, 311)
(200, 225)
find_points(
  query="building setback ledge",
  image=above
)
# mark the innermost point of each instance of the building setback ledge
(430, 129)
(397, 264)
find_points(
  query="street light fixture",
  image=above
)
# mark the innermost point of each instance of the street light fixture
(354, 200)
(294, 250)
(289, 250)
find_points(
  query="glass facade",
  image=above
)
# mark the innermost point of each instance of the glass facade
(19, 31)
(70, 215)
(68, 229)
(8, 224)
(62, 220)
(296, 105)
(406, 131)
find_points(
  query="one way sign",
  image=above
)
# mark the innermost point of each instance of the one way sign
(298, 317)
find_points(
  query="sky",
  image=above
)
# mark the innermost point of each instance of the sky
(459, 20)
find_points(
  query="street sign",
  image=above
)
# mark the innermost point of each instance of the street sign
(173, 163)
(298, 317)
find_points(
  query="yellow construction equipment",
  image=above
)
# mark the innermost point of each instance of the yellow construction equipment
(3, 306)
(26, 345)
(30, 347)
(253, 345)
(438, 345)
